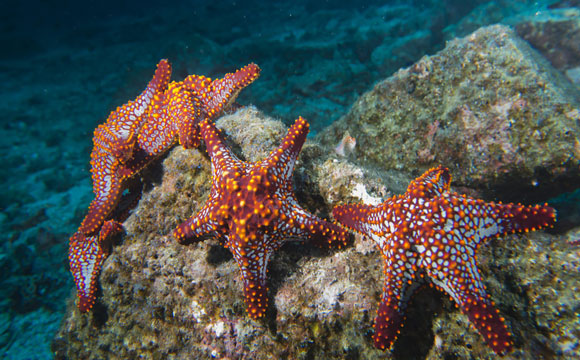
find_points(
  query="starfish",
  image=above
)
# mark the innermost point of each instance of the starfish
(188, 103)
(253, 211)
(432, 234)
(116, 156)
(133, 136)
(114, 160)
(88, 252)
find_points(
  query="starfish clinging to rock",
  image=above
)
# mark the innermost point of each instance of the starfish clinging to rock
(134, 135)
(430, 233)
(116, 156)
(177, 113)
(253, 211)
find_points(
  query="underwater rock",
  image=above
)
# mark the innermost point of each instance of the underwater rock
(164, 300)
(488, 107)
(556, 35)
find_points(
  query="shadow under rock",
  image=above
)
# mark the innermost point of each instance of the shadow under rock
(152, 174)
(217, 254)
(100, 314)
(416, 338)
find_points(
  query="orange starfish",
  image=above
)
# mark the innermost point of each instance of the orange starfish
(188, 103)
(133, 136)
(430, 234)
(253, 211)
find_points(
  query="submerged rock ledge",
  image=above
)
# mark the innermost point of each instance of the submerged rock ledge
(162, 300)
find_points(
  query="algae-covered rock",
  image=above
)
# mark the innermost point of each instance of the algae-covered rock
(162, 300)
(487, 106)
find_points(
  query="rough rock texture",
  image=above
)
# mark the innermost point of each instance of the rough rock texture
(487, 106)
(162, 300)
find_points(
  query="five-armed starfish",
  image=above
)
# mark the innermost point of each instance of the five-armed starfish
(253, 211)
(133, 136)
(434, 234)
(429, 233)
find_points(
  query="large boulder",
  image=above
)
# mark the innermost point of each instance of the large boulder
(488, 106)
(162, 300)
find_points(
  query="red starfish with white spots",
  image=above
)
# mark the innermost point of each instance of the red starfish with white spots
(189, 102)
(115, 159)
(253, 211)
(133, 136)
(116, 155)
(430, 233)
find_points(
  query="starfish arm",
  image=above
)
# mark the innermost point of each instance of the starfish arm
(388, 324)
(158, 132)
(157, 85)
(476, 221)
(198, 85)
(252, 255)
(399, 285)
(203, 225)
(354, 217)
(488, 321)
(119, 143)
(519, 218)
(122, 147)
(107, 189)
(223, 92)
(295, 222)
(186, 112)
(459, 277)
(107, 139)
(432, 183)
(381, 223)
(281, 160)
(126, 121)
(222, 158)
(86, 257)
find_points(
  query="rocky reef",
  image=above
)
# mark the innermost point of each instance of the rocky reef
(488, 106)
(59, 82)
(162, 300)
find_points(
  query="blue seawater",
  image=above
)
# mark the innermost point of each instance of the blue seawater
(64, 65)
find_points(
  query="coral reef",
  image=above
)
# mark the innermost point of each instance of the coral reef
(487, 106)
(163, 300)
